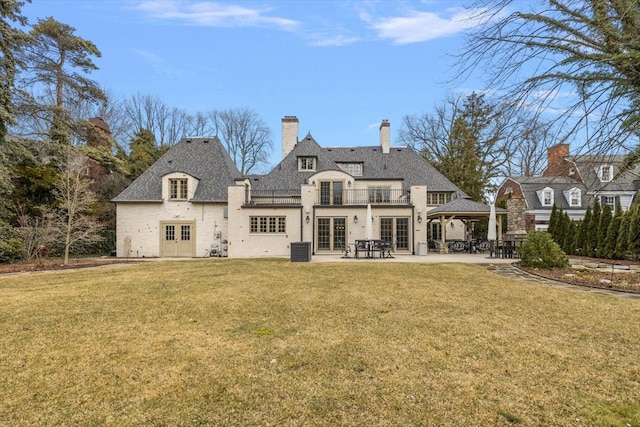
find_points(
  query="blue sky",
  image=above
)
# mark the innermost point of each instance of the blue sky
(339, 66)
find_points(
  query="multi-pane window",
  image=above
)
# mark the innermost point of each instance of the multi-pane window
(307, 163)
(267, 224)
(170, 233)
(379, 194)
(436, 199)
(609, 200)
(185, 232)
(574, 198)
(331, 192)
(178, 189)
(606, 173)
(353, 169)
(547, 197)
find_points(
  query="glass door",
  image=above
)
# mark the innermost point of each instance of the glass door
(396, 232)
(332, 233)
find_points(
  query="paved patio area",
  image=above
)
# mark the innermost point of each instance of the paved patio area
(429, 258)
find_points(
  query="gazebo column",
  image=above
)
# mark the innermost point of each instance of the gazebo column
(443, 235)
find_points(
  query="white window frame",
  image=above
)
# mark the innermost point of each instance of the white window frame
(546, 196)
(606, 176)
(574, 197)
(178, 188)
(352, 168)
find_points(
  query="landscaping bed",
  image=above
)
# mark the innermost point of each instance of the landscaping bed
(623, 275)
(55, 264)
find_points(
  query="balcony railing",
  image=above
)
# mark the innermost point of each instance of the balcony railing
(272, 197)
(377, 196)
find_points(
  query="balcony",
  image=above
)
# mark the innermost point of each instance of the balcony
(272, 198)
(375, 196)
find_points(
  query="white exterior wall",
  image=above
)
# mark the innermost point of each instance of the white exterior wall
(140, 222)
(244, 244)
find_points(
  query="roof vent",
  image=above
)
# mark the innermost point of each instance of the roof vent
(352, 149)
(206, 141)
(188, 140)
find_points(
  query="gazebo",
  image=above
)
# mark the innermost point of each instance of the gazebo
(465, 210)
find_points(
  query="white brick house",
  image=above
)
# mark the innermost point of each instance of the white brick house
(194, 198)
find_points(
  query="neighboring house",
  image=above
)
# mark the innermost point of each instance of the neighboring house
(194, 197)
(571, 183)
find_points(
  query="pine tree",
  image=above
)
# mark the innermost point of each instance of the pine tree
(603, 228)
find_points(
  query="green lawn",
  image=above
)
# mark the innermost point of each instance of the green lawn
(269, 342)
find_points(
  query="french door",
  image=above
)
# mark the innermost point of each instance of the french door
(395, 231)
(331, 234)
(177, 239)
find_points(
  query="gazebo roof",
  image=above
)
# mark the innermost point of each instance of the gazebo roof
(464, 208)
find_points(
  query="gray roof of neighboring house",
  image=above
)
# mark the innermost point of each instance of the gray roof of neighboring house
(559, 184)
(400, 163)
(587, 165)
(464, 207)
(203, 158)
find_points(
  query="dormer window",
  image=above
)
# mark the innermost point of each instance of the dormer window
(546, 196)
(574, 197)
(606, 173)
(353, 169)
(306, 163)
(178, 189)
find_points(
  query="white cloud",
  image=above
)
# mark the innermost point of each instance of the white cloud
(338, 40)
(158, 63)
(215, 14)
(418, 26)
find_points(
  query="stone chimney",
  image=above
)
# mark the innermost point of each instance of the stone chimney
(385, 136)
(289, 134)
(556, 163)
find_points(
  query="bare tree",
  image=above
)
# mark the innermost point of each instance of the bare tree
(168, 125)
(575, 60)
(76, 202)
(246, 137)
(37, 233)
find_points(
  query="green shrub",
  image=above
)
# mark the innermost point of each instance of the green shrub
(540, 251)
(10, 250)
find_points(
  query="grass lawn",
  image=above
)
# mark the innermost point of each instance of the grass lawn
(269, 342)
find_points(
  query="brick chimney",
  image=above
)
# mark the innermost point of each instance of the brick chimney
(289, 134)
(385, 136)
(556, 163)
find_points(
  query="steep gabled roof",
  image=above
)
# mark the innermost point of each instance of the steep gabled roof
(400, 163)
(203, 158)
(559, 184)
(587, 165)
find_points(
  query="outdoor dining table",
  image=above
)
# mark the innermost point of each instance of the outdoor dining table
(372, 247)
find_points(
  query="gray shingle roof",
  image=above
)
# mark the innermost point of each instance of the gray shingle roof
(400, 163)
(588, 164)
(204, 158)
(559, 184)
(464, 206)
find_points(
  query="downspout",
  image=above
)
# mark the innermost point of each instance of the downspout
(313, 231)
(413, 230)
(301, 223)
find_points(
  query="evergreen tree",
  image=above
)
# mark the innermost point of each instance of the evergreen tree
(592, 230)
(577, 238)
(633, 238)
(582, 236)
(603, 228)
(143, 152)
(569, 234)
(611, 238)
(622, 245)
(560, 229)
(553, 223)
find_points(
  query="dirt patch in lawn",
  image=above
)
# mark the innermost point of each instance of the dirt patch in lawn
(56, 264)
